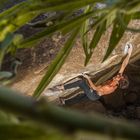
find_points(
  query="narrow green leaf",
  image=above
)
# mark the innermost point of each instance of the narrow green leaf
(7, 41)
(56, 64)
(136, 15)
(84, 28)
(125, 26)
(117, 33)
(67, 5)
(134, 9)
(4, 46)
(96, 38)
(12, 10)
(84, 37)
(67, 25)
(108, 14)
(111, 17)
(13, 23)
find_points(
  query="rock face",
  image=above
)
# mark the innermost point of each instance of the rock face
(34, 68)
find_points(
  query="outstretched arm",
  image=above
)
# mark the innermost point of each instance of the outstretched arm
(126, 60)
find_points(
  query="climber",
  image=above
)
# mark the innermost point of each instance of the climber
(94, 92)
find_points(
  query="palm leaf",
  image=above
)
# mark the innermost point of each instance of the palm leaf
(96, 38)
(4, 46)
(101, 25)
(125, 26)
(66, 25)
(56, 64)
(117, 33)
(136, 15)
(12, 10)
(108, 14)
(135, 8)
(65, 5)
(85, 26)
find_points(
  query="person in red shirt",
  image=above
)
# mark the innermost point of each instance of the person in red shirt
(94, 92)
(111, 85)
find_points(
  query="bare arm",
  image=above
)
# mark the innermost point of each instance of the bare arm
(126, 60)
(91, 84)
(124, 64)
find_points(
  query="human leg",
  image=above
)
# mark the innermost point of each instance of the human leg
(75, 84)
(76, 99)
(71, 97)
(91, 94)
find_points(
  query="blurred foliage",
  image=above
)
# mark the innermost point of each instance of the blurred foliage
(41, 120)
(13, 128)
(72, 18)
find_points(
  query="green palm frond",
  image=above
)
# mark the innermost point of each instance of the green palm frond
(117, 33)
(96, 38)
(84, 29)
(57, 63)
(4, 46)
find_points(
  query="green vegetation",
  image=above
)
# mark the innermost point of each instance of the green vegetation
(116, 14)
